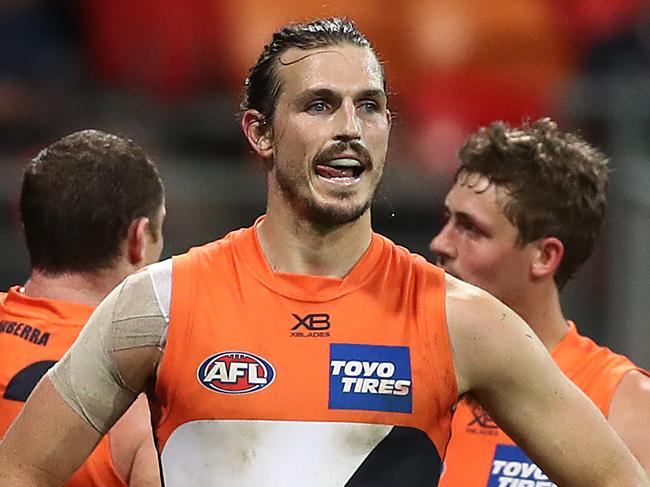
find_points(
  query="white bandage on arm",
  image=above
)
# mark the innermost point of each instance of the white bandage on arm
(87, 376)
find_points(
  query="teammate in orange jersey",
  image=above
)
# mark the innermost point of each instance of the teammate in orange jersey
(306, 349)
(523, 216)
(92, 210)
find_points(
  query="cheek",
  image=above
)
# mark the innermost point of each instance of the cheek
(377, 139)
(482, 262)
(296, 144)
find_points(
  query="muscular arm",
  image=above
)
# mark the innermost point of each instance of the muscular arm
(629, 414)
(503, 364)
(132, 448)
(29, 457)
(145, 473)
(88, 390)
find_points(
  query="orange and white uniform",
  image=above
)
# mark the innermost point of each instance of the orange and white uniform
(34, 334)
(280, 379)
(480, 454)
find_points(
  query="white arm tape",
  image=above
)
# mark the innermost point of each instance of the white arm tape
(87, 376)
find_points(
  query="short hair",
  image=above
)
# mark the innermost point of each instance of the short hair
(79, 197)
(263, 86)
(557, 183)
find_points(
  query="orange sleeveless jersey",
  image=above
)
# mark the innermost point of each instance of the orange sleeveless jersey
(34, 334)
(280, 379)
(480, 454)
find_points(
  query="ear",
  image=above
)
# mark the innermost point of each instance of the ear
(136, 240)
(258, 132)
(389, 117)
(548, 256)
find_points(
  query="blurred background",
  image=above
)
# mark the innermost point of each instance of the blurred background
(170, 73)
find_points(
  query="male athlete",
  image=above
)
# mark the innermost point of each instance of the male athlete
(306, 349)
(92, 210)
(523, 216)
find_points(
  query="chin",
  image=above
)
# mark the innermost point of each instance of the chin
(336, 214)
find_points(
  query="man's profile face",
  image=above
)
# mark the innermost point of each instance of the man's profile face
(478, 244)
(330, 132)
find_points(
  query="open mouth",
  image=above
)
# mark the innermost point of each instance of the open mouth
(344, 168)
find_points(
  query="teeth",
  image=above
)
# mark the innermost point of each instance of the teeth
(345, 163)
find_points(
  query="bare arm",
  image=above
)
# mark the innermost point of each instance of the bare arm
(145, 473)
(83, 395)
(503, 364)
(629, 414)
(132, 448)
(29, 457)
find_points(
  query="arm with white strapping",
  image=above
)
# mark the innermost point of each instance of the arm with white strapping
(79, 400)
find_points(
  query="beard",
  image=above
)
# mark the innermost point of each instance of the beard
(340, 211)
(324, 213)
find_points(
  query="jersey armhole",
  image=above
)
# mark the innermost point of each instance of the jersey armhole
(437, 341)
(175, 289)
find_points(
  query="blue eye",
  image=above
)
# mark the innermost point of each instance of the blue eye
(370, 106)
(317, 107)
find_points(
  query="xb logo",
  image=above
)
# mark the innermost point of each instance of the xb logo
(314, 325)
(482, 419)
(319, 321)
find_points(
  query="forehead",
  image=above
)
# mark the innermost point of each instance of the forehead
(342, 68)
(476, 196)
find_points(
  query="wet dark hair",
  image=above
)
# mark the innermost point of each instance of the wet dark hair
(557, 183)
(79, 197)
(263, 87)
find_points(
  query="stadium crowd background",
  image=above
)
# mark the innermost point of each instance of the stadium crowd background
(169, 74)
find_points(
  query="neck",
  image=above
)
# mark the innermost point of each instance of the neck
(293, 245)
(542, 311)
(82, 288)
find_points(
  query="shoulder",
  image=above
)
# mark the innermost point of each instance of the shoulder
(403, 257)
(136, 296)
(473, 316)
(629, 413)
(596, 369)
(471, 309)
(236, 244)
(633, 389)
(486, 336)
(226, 242)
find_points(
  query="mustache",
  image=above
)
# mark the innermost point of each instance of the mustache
(340, 147)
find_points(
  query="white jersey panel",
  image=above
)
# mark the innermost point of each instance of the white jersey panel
(212, 453)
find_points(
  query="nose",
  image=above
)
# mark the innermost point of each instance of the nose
(347, 122)
(442, 244)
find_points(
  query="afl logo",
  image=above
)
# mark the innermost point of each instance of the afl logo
(235, 373)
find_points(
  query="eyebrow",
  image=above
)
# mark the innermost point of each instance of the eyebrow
(328, 93)
(373, 93)
(464, 217)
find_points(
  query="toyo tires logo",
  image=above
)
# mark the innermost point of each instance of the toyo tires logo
(235, 372)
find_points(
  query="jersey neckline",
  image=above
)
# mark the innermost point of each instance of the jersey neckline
(305, 287)
(68, 313)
